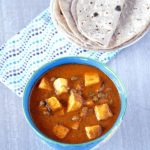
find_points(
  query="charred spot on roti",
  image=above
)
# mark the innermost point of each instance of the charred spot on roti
(97, 29)
(95, 14)
(118, 8)
(109, 22)
(101, 4)
(61, 13)
(91, 2)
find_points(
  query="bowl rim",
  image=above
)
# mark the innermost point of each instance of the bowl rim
(74, 60)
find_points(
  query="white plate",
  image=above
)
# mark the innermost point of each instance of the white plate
(119, 47)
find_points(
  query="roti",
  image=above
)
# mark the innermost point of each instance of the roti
(63, 27)
(60, 18)
(65, 6)
(97, 20)
(134, 20)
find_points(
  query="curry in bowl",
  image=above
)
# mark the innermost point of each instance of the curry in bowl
(74, 103)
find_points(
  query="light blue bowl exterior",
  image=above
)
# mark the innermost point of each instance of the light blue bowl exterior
(76, 60)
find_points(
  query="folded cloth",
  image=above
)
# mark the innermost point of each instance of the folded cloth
(34, 46)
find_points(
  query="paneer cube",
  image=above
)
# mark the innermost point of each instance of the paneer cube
(54, 103)
(93, 132)
(60, 131)
(74, 102)
(44, 84)
(102, 112)
(75, 125)
(91, 78)
(89, 103)
(60, 112)
(61, 86)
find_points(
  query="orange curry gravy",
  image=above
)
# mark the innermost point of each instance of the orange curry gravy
(45, 119)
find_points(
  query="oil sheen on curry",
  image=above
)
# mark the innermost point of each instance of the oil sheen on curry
(74, 103)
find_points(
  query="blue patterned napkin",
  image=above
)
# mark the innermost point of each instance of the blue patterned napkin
(32, 47)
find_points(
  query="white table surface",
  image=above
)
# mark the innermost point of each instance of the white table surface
(132, 65)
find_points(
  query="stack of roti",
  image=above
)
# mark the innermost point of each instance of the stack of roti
(101, 24)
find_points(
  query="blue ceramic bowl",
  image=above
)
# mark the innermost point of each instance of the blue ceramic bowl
(76, 60)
